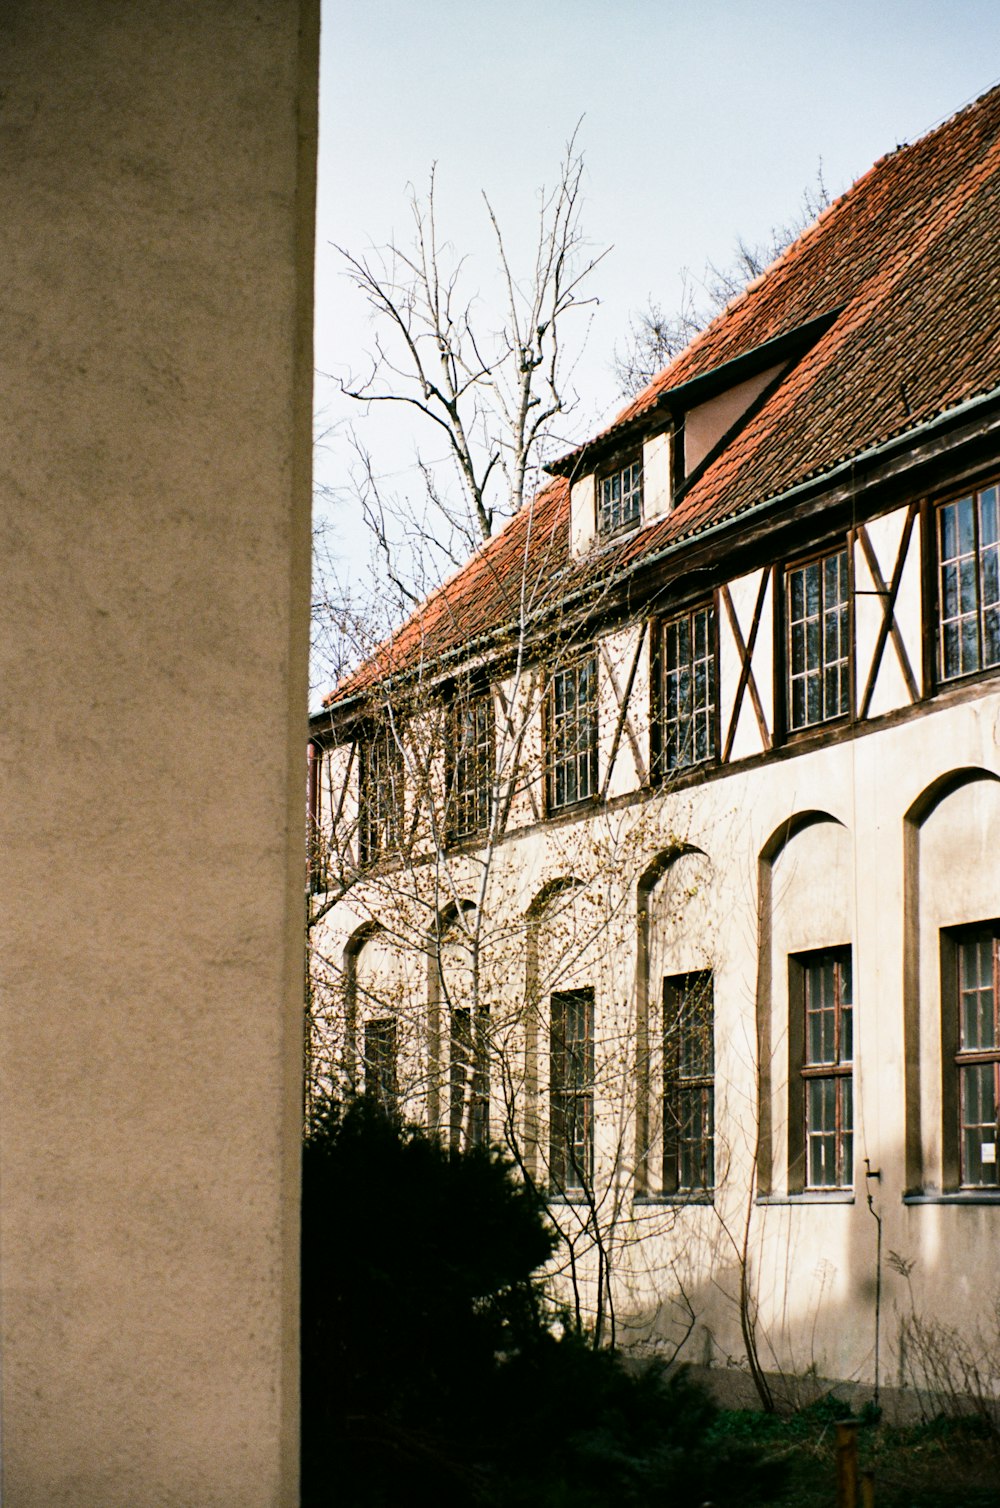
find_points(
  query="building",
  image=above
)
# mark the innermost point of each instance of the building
(158, 171)
(663, 842)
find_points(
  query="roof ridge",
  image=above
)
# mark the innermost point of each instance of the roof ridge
(656, 387)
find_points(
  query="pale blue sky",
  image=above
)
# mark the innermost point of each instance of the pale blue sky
(701, 121)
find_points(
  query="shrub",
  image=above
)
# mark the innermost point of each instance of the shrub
(430, 1368)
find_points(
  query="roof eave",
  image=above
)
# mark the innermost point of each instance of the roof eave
(883, 451)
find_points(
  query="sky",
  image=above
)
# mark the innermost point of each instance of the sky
(699, 122)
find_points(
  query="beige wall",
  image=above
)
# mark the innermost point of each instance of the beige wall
(156, 172)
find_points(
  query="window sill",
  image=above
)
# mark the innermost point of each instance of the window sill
(957, 1196)
(704, 1200)
(465, 842)
(573, 808)
(818, 729)
(809, 1196)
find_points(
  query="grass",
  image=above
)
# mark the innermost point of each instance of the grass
(946, 1463)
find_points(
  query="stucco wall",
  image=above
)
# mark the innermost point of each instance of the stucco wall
(157, 166)
(792, 855)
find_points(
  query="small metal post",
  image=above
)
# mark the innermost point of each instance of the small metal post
(868, 1488)
(847, 1463)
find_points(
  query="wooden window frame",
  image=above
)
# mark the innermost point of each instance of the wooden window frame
(468, 1079)
(943, 677)
(686, 1082)
(958, 1060)
(663, 761)
(571, 1094)
(607, 526)
(784, 626)
(470, 767)
(586, 747)
(805, 1070)
(381, 1061)
(316, 875)
(381, 793)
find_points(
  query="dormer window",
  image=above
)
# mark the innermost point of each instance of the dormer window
(619, 499)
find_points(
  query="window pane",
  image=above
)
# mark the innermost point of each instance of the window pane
(818, 640)
(949, 590)
(976, 994)
(689, 688)
(822, 1132)
(796, 596)
(573, 733)
(828, 1097)
(380, 1061)
(991, 637)
(688, 1082)
(381, 794)
(620, 498)
(969, 583)
(571, 1103)
(952, 650)
(846, 1173)
(979, 1124)
(949, 532)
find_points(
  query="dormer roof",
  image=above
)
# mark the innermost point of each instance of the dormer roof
(888, 310)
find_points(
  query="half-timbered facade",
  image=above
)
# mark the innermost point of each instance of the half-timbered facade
(663, 842)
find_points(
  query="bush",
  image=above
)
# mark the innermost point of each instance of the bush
(430, 1370)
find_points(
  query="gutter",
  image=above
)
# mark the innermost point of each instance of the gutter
(814, 484)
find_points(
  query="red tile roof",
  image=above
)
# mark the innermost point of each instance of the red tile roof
(910, 256)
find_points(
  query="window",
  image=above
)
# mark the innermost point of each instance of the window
(821, 1084)
(380, 1062)
(571, 1091)
(470, 761)
(315, 845)
(969, 583)
(572, 734)
(818, 643)
(688, 688)
(470, 1085)
(381, 794)
(975, 1038)
(688, 1083)
(619, 499)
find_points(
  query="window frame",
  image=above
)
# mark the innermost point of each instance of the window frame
(680, 990)
(553, 761)
(481, 756)
(380, 820)
(468, 1079)
(804, 1070)
(380, 1056)
(940, 677)
(573, 1096)
(957, 1060)
(784, 629)
(659, 719)
(608, 474)
(316, 856)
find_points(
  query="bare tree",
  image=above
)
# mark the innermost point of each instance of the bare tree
(427, 932)
(487, 387)
(657, 335)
